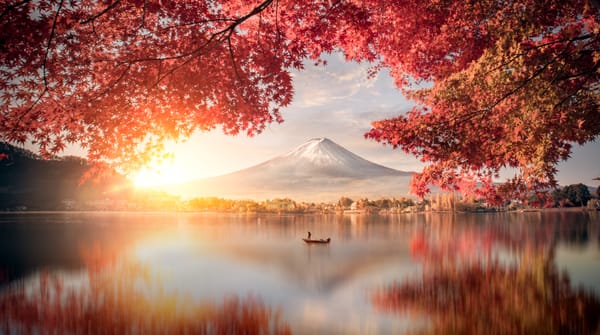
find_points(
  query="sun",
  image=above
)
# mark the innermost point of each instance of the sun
(158, 174)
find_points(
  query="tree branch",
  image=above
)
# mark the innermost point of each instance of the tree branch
(50, 38)
(587, 74)
(44, 76)
(13, 6)
(229, 29)
(523, 83)
(143, 23)
(218, 37)
(277, 22)
(114, 83)
(231, 55)
(108, 8)
(194, 23)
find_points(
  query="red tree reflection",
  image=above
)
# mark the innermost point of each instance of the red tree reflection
(123, 297)
(491, 281)
(488, 298)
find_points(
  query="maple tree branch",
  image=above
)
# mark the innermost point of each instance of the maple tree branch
(588, 74)
(50, 38)
(219, 37)
(231, 28)
(187, 61)
(538, 46)
(523, 83)
(143, 23)
(114, 83)
(561, 55)
(231, 55)
(277, 22)
(45, 61)
(13, 6)
(569, 40)
(106, 10)
(194, 23)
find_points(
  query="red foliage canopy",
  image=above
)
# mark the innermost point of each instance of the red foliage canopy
(513, 84)
(507, 84)
(120, 77)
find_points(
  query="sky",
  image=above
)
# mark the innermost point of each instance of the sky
(336, 101)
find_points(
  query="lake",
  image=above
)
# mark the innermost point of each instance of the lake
(250, 273)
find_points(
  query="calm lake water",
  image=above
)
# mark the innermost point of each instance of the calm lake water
(227, 273)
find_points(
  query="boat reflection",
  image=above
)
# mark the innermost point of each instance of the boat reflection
(480, 279)
(116, 295)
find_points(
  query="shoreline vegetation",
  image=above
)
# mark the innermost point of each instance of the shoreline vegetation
(439, 203)
(167, 211)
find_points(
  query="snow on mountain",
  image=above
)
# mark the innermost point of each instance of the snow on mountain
(321, 157)
(319, 169)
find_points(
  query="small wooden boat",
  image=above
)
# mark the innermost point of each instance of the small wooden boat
(321, 241)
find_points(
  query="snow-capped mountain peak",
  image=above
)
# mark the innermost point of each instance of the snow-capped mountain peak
(316, 169)
(321, 151)
(323, 156)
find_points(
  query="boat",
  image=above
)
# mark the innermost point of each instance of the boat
(319, 241)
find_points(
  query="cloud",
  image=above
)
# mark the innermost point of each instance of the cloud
(321, 85)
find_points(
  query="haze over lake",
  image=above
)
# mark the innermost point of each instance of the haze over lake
(377, 276)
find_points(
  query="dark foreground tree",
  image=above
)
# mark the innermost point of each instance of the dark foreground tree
(576, 194)
(507, 84)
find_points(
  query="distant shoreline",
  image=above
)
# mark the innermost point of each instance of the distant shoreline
(530, 210)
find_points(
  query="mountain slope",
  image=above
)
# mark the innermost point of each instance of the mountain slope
(319, 169)
(29, 181)
(321, 157)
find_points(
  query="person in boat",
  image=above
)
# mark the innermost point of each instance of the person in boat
(309, 235)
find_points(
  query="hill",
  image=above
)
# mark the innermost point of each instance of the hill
(29, 182)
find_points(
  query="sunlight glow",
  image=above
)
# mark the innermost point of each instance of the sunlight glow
(158, 174)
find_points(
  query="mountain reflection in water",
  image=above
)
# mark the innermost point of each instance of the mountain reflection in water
(138, 273)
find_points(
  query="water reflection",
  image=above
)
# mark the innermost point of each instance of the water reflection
(498, 278)
(122, 296)
(484, 298)
(170, 272)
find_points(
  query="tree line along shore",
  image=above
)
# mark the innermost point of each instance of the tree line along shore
(572, 196)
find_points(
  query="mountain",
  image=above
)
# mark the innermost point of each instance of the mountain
(318, 170)
(321, 157)
(29, 181)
